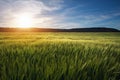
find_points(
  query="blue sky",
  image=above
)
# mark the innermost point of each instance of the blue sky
(62, 13)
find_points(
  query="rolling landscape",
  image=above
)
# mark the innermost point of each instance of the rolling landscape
(69, 50)
(93, 29)
(59, 56)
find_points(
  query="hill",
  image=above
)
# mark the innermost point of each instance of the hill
(97, 29)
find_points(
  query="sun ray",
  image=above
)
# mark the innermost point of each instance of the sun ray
(24, 21)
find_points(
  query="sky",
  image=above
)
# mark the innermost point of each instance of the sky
(60, 13)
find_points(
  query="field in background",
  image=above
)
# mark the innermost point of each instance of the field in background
(59, 56)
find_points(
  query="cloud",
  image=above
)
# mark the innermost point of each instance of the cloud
(53, 13)
(36, 8)
(71, 17)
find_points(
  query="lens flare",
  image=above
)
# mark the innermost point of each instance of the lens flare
(24, 21)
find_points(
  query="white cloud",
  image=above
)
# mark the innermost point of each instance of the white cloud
(39, 9)
(12, 8)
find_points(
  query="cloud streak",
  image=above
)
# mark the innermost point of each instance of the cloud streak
(12, 8)
(54, 14)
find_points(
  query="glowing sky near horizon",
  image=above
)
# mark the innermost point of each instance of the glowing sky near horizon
(60, 13)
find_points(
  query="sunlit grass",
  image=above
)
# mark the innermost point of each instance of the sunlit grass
(59, 56)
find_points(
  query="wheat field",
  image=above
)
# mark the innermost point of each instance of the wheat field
(59, 56)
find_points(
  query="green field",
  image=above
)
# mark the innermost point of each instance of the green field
(59, 56)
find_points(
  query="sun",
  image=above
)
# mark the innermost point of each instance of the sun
(24, 21)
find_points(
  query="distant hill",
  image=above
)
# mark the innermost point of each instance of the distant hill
(97, 29)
